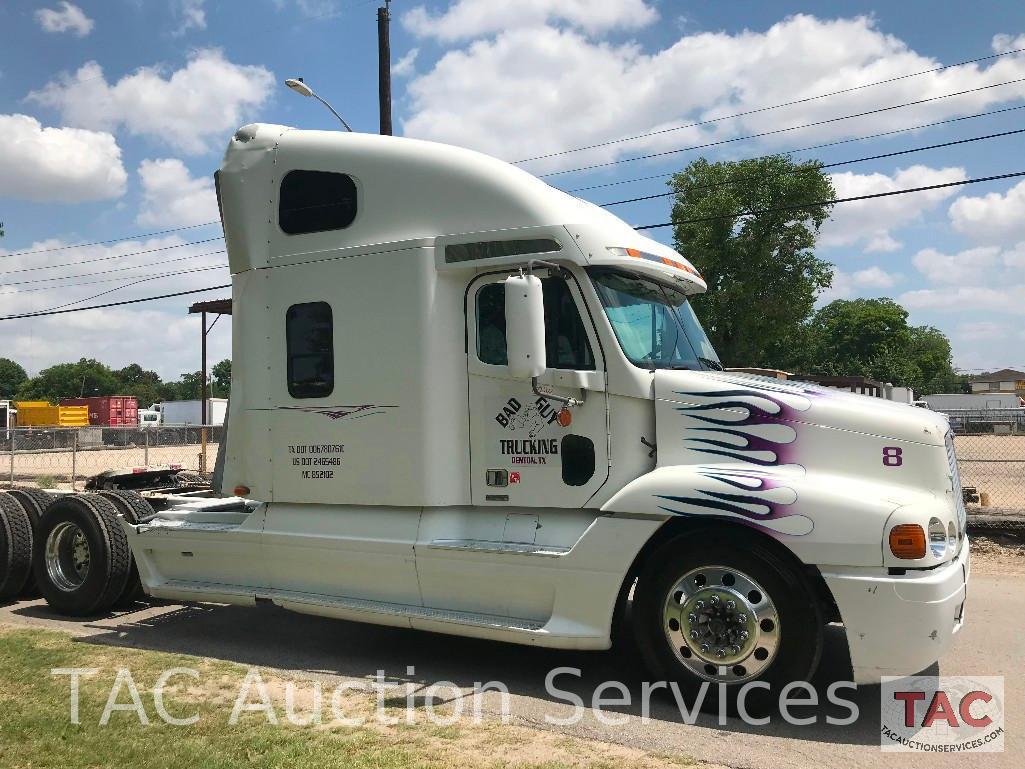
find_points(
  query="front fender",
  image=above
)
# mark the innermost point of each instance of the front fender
(822, 519)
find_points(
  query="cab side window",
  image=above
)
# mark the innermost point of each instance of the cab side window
(565, 338)
(309, 343)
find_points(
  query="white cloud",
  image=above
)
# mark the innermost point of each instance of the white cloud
(991, 218)
(466, 19)
(981, 331)
(550, 87)
(1003, 299)
(69, 18)
(202, 101)
(406, 65)
(871, 221)
(870, 280)
(109, 273)
(58, 165)
(190, 14)
(172, 198)
(967, 267)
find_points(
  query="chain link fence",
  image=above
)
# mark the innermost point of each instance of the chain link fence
(990, 447)
(64, 457)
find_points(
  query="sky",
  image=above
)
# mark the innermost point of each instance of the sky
(115, 114)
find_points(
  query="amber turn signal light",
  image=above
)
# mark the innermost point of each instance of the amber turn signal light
(907, 541)
(241, 491)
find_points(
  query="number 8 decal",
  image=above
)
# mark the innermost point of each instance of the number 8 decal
(892, 456)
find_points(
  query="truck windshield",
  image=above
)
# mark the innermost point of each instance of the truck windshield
(653, 322)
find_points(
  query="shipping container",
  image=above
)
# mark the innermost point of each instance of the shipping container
(42, 414)
(109, 410)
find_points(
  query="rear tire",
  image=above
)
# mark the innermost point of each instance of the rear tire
(133, 508)
(82, 558)
(33, 502)
(15, 548)
(725, 609)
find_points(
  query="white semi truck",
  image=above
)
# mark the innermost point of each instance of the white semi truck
(469, 403)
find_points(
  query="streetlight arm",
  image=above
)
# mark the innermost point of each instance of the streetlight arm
(340, 118)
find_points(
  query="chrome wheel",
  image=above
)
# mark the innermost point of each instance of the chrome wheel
(67, 556)
(721, 624)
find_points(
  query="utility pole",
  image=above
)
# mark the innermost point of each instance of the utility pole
(384, 67)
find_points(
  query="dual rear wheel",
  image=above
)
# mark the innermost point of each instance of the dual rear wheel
(73, 546)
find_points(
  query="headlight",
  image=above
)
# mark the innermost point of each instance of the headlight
(937, 538)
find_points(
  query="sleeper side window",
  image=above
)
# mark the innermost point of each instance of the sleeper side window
(316, 201)
(566, 341)
(309, 345)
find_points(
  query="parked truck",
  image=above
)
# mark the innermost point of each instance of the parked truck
(469, 403)
(186, 412)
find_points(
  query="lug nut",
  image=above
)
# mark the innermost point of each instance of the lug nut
(734, 650)
(742, 619)
(692, 618)
(694, 635)
(699, 605)
(720, 653)
(714, 600)
(731, 605)
(744, 635)
(704, 648)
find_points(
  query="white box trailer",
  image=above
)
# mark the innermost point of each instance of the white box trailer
(469, 403)
(190, 412)
(957, 401)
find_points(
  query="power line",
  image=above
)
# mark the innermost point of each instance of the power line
(814, 203)
(135, 283)
(815, 146)
(767, 109)
(108, 272)
(824, 165)
(114, 304)
(780, 130)
(112, 240)
(108, 258)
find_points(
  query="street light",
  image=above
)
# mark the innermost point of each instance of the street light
(297, 85)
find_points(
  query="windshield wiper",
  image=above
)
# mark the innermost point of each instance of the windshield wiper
(712, 364)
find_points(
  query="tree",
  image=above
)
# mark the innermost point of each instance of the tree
(871, 337)
(761, 270)
(189, 387)
(145, 385)
(11, 377)
(221, 385)
(70, 380)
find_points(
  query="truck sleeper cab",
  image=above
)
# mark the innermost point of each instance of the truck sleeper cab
(466, 402)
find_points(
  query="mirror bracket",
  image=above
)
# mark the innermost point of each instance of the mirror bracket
(559, 270)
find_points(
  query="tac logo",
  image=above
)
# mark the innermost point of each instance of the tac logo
(942, 714)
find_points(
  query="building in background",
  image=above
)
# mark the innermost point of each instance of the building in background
(1004, 381)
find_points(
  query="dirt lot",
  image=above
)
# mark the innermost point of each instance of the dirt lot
(995, 465)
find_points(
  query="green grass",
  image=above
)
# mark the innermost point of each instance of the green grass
(36, 729)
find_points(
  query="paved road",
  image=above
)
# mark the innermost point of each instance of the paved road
(992, 643)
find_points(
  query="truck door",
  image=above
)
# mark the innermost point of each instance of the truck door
(521, 452)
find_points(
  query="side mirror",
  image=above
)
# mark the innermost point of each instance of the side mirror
(525, 326)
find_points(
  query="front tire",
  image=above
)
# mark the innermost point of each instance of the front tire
(82, 559)
(727, 610)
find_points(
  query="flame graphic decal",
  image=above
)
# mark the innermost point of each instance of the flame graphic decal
(765, 505)
(755, 430)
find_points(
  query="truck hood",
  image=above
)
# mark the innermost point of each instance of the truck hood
(755, 416)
